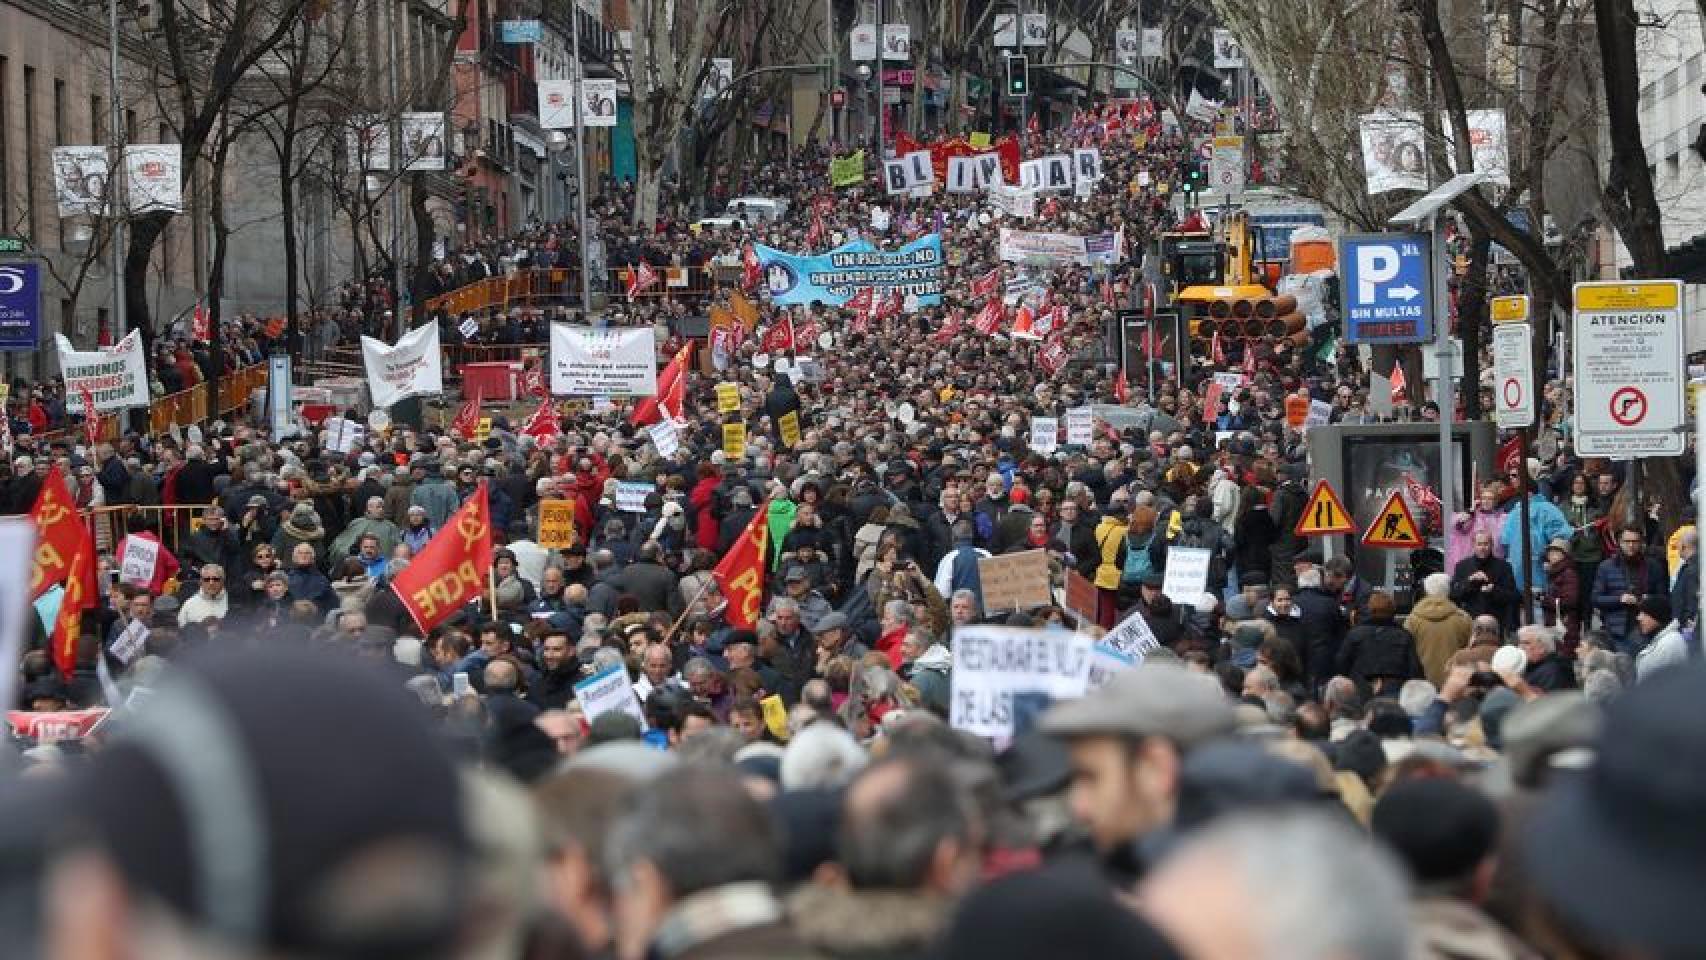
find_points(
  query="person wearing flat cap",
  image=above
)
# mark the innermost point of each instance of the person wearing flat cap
(1127, 741)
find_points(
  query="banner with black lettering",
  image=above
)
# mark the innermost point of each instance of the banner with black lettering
(116, 377)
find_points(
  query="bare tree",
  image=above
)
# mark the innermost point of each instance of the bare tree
(665, 72)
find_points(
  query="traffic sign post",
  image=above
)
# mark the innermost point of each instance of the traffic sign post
(1386, 287)
(1324, 514)
(1629, 369)
(1226, 165)
(1394, 527)
(1513, 376)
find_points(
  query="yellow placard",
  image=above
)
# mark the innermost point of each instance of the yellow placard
(978, 140)
(734, 440)
(789, 427)
(483, 429)
(775, 716)
(1139, 141)
(1510, 309)
(1634, 295)
(728, 398)
(1691, 399)
(5, 393)
(556, 524)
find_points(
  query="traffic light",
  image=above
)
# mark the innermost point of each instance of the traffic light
(1018, 77)
(1194, 178)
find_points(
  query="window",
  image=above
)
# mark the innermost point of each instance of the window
(97, 121)
(1691, 70)
(130, 126)
(30, 179)
(5, 165)
(67, 316)
(1648, 94)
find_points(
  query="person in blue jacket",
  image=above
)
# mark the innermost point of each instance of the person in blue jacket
(1545, 524)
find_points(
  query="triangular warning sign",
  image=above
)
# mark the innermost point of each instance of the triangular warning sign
(1325, 514)
(1393, 526)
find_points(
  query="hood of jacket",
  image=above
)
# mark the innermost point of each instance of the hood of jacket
(857, 921)
(936, 658)
(1434, 609)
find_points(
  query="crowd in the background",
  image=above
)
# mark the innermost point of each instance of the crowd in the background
(1490, 763)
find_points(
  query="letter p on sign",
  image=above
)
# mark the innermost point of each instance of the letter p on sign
(1375, 265)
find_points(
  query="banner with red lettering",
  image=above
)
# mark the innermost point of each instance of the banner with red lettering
(453, 567)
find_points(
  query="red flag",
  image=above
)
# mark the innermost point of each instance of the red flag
(1249, 360)
(987, 284)
(808, 334)
(641, 278)
(956, 319)
(467, 418)
(1122, 390)
(1216, 354)
(59, 530)
(780, 337)
(1024, 322)
(671, 399)
(80, 595)
(452, 569)
(752, 271)
(1031, 125)
(91, 416)
(861, 302)
(815, 235)
(740, 575)
(889, 306)
(201, 323)
(1509, 458)
(1052, 357)
(989, 318)
(1051, 208)
(533, 383)
(1399, 387)
(543, 425)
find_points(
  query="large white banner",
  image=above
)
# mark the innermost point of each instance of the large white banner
(116, 377)
(1394, 155)
(411, 368)
(557, 104)
(80, 178)
(1002, 672)
(599, 93)
(1013, 201)
(154, 174)
(611, 362)
(1486, 140)
(423, 141)
(1060, 249)
(369, 143)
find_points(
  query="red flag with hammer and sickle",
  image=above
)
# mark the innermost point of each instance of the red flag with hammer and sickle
(453, 567)
(59, 531)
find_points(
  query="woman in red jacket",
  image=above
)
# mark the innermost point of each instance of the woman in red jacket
(702, 499)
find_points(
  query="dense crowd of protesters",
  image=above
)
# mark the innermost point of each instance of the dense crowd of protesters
(1304, 767)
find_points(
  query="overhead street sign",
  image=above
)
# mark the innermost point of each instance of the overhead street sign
(1324, 514)
(1513, 375)
(1629, 369)
(1386, 287)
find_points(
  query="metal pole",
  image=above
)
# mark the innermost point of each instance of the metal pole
(832, 82)
(580, 166)
(1699, 492)
(115, 143)
(1442, 352)
(877, 75)
(397, 293)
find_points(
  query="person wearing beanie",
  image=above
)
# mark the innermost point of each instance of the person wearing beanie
(1446, 834)
(1061, 910)
(1662, 641)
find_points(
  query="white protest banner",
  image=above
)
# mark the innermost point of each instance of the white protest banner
(1320, 411)
(1080, 427)
(631, 495)
(344, 435)
(1057, 172)
(895, 174)
(1087, 164)
(1059, 249)
(129, 643)
(154, 173)
(610, 361)
(920, 169)
(609, 692)
(557, 104)
(411, 368)
(1045, 434)
(468, 327)
(1200, 108)
(1000, 672)
(117, 376)
(965, 175)
(17, 557)
(1031, 174)
(80, 179)
(1132, 637)
(1013, 201)
(1229, 381)
(666, 437)
(989, 170)
(1186, 575)
(137, 563)
(1106, 663)
(1393, 157)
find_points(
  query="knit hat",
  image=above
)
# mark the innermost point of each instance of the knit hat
(1441, 829)
(1657, 606)
(1061, 910)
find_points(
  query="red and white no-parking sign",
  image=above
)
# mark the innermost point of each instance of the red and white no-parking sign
(1513, 372)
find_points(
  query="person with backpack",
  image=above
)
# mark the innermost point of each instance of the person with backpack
(1145, 543)
(1198, 530)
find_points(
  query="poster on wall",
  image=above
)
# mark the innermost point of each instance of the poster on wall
(154, 174)
(423, 141)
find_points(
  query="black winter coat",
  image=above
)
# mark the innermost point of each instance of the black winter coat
(1379, 653)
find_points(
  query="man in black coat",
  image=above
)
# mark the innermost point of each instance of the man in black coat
(1483, 583)
(1321, 621)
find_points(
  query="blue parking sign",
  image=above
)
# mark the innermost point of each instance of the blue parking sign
(20, 304)
(1386, 288)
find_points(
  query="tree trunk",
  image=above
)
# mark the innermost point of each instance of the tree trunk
(1471, 316)
(1629, 198)
(425, 234)
(287, 214)
(648, 181)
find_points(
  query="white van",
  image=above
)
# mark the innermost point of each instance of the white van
(758, 209)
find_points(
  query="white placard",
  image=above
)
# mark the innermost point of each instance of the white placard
(1201, 108)
(1006, 26)
(17, 556)
(1057, 172)
(631, 495)
(468, 327)
(1228, 52)
(1186, 575)
(1045, 434)
(609, 361)
(609, 692)
(1126, 49)
(965, 175)
(1154, 42)
(345, 436)
(1087, 164)
(919, 169)
(413, 367)
(895, 176)
(1031, 174)
(154, 174)
(897, 41)
(1080, 427)
(862, 43)
(1133, 637)
(130, 642)
(116, 376)
(993, 665)
(1014, 201)
(1229, 381)
(80, 180)
(665, 437)
(138, 561)
(1033, 29)
(1320, 413)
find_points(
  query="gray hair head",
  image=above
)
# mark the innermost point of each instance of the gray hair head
(1416, 696)
(1546, 638)
(899, 611)
(1309, 579)
(1437, 585)
(1292, 895)
(1602, 686)
(606, 658)
(700, 829)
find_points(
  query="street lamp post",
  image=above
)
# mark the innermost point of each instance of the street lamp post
(580, 165)
(115, 144)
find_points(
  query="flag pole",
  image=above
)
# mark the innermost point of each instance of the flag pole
(689, 608)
